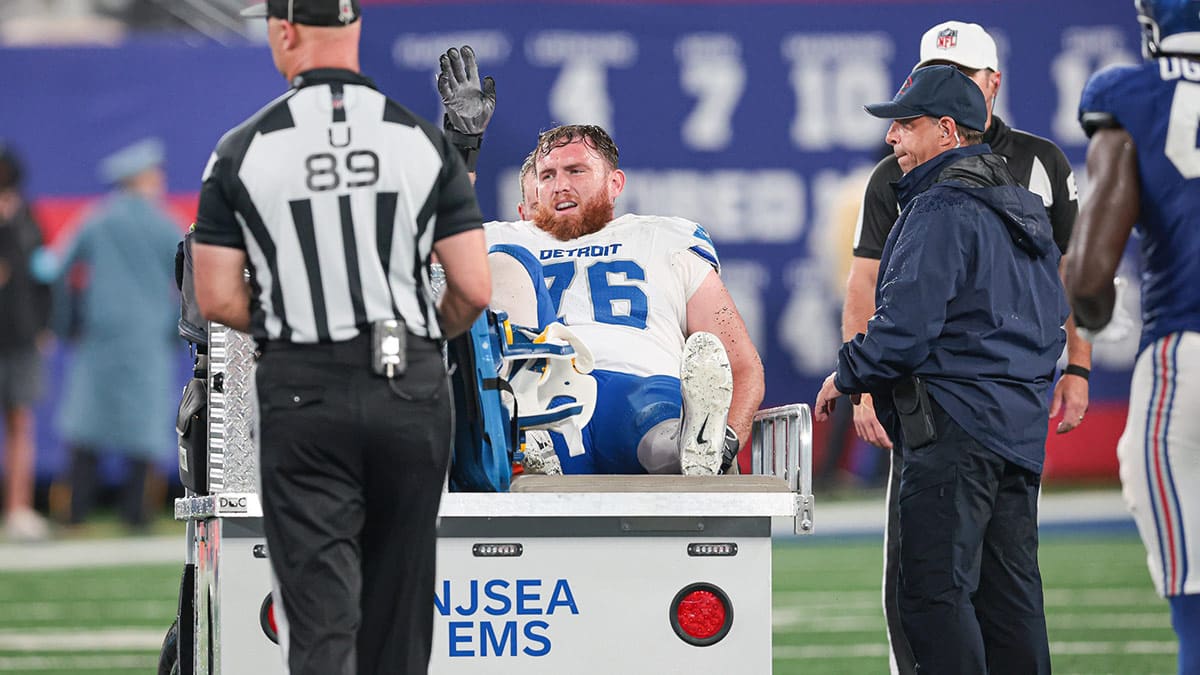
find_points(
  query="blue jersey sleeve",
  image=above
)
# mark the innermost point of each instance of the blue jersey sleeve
(702, 245)
(1155, 103)
(1100, 103)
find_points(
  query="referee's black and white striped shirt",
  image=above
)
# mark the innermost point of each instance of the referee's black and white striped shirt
(336, 193)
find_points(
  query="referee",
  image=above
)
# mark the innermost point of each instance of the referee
(334, 197)
(1039, 166)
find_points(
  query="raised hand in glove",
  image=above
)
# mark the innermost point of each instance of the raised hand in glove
(469, 102)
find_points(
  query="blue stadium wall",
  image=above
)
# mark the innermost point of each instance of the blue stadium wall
(744, 116)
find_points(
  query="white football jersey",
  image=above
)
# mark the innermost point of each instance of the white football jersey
(624, 289)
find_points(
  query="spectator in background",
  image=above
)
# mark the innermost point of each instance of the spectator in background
(119, 392)
(23, 315)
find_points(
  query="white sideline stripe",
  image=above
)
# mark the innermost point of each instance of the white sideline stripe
(1057, 597)
(131, 663)
(862, 651)
(24, 612)
(866, 516)
(831, 519)
(81, 639)
(813, 652)
(1101, 597)
(1135, 647)
(103, 588)
(815, 623)
(792, 618)
(54, 555)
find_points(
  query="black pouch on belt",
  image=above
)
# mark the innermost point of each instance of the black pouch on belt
(389, 348)
(191, 427)
(911, 396)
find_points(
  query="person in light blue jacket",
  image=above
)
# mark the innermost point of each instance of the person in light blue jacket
(120, 394)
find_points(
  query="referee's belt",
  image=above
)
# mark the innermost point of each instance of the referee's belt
(356, 351)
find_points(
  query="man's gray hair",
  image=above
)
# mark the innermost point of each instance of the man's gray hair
(970, 136)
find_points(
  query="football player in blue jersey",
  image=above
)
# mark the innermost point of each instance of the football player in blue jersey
(1144, 165)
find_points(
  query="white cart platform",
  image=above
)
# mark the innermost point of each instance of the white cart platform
(564, 574)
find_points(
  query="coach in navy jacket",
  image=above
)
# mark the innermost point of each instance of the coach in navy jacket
(969, 301)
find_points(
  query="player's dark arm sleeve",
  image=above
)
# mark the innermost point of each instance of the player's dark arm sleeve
(1066, 201)
(1095, 121)
(879, 210)
(457, 208)
(216, 223)
(914, 292)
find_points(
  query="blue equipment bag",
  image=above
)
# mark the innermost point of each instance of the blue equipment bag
(191, 424)
(485, 438)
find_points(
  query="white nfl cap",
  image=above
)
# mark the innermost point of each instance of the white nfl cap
(964, 44)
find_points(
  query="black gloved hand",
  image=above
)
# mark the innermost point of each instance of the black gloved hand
(469, 102)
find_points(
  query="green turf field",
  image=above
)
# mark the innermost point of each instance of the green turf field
(1103, 614)
(1101, 610)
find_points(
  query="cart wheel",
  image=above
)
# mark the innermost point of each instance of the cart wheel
(168, 656)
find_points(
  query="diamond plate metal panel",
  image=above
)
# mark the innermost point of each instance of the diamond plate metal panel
(437, 279)
(233, 412)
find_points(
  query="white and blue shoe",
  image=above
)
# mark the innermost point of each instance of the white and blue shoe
(706, 384)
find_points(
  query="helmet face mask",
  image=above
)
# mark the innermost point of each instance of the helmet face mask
(1169, 27)
(1149, 29)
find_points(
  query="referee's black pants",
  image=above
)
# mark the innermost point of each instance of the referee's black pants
(352, 476)
(900, 656)
(970, 592)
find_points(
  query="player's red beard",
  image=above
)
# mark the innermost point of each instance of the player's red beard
(591, 217)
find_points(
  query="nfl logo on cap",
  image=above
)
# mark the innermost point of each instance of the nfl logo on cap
(963, 44)
(345, 11)
(947, 39)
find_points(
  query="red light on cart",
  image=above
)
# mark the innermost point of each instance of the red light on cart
(701, 614)
(266, 619)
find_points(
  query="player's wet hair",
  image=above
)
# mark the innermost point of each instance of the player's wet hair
(593, 136)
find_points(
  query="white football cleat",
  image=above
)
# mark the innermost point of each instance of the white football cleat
(706, 384)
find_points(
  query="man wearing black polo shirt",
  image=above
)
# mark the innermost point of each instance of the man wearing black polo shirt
(334, 198)
(1039, 166)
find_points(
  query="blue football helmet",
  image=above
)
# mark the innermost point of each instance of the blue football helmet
(1169, 26)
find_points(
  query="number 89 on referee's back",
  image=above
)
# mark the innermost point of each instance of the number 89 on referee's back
(358, 168)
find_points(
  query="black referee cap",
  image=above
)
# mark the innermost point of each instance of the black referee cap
(308, 12)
